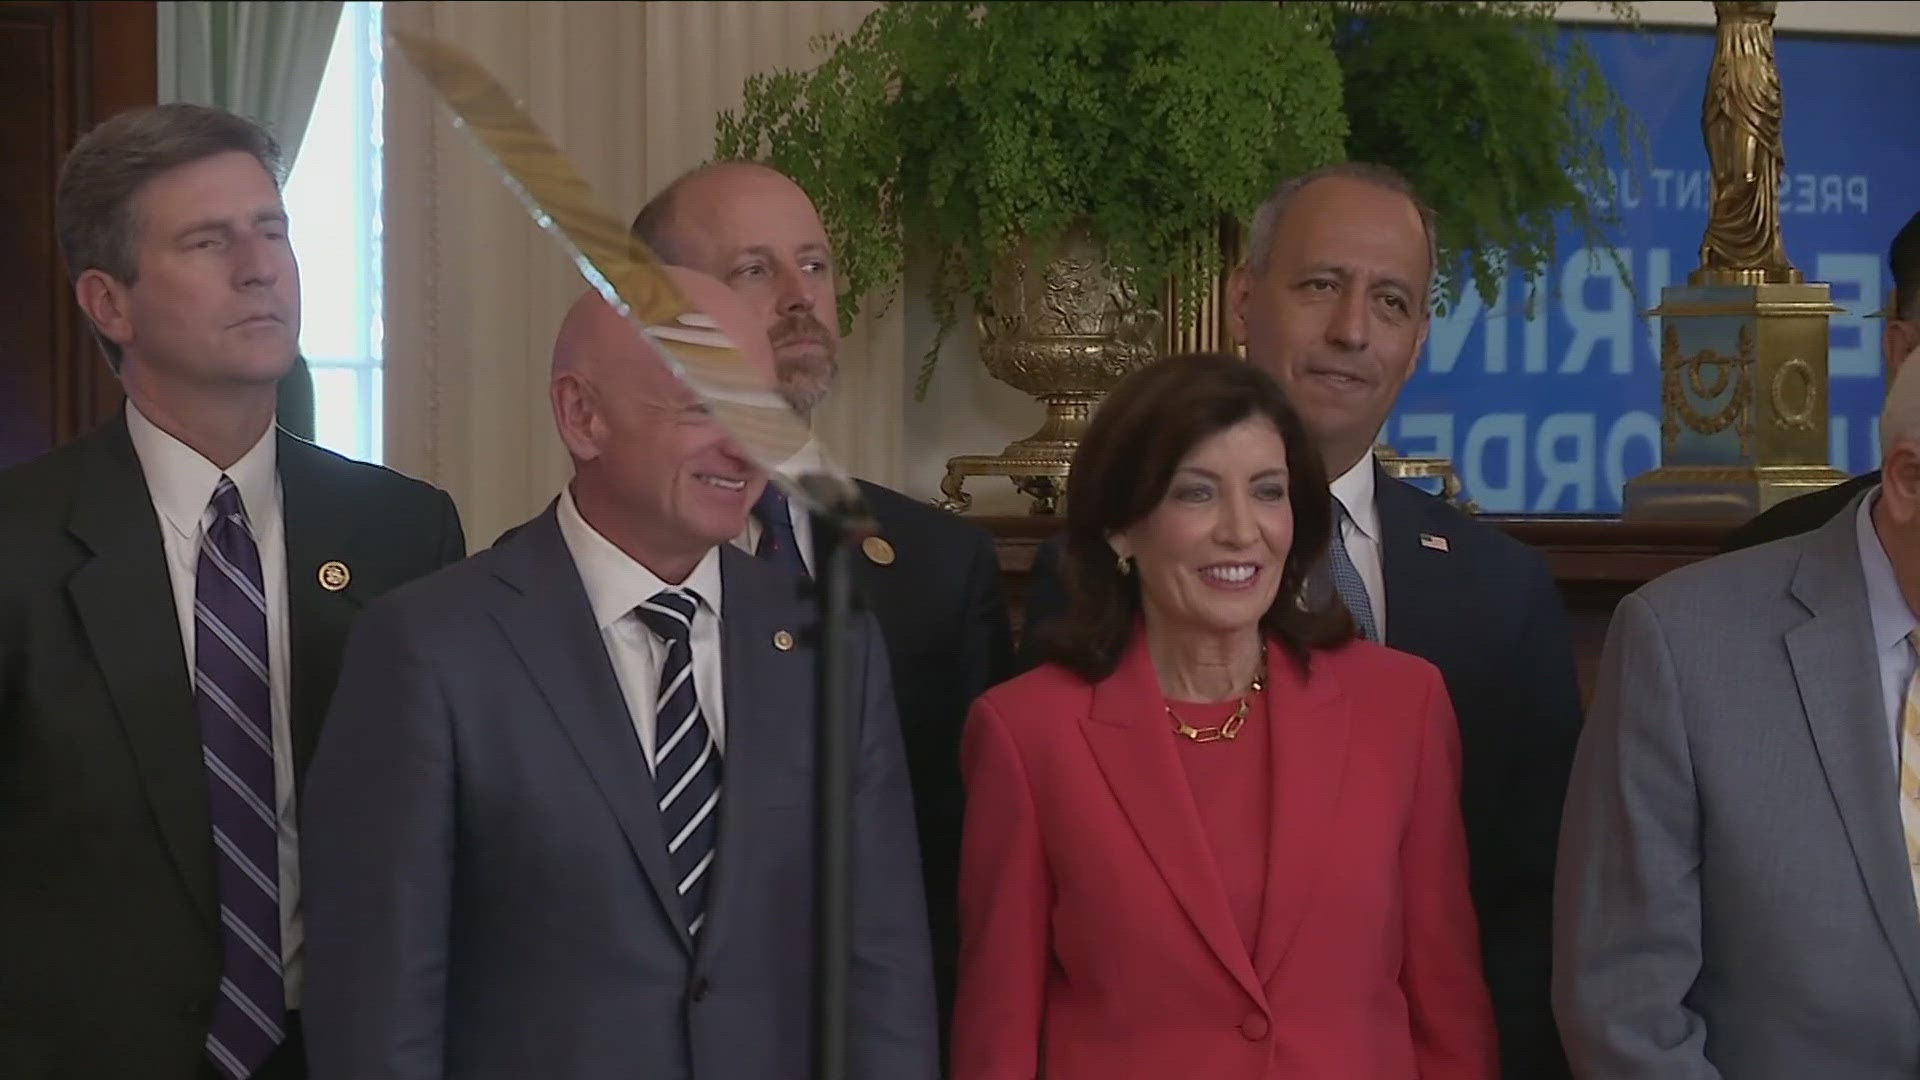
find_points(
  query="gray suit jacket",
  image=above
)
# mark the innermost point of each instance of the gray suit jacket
(1733, 897)
(488, 890)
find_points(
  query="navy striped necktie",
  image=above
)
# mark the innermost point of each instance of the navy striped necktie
(686, 761)
(778, 543)
(233, 697)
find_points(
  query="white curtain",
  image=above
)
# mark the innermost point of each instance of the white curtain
(474, 292)
(261, 60)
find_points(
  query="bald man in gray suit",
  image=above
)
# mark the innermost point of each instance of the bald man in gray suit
(1735, 896)
(564, 828)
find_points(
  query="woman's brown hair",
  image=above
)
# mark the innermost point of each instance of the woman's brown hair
(1122, 471)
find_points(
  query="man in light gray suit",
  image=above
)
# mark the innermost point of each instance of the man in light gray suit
(1735, 895)
(560, 825)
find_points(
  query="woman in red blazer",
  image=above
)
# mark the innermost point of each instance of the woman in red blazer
(1217, 836)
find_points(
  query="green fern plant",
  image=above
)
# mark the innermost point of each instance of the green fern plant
(1502, 123)
(963, 130)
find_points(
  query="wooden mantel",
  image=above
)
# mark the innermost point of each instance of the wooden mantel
(1596, 560)
(1591, 551)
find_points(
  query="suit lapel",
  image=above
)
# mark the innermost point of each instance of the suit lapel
(1832, 655)
(1134, 748)
(1309, 722)
(125, 602)
(872, 582)
(1409, 568)
(318, 520)
(768, 691)
(551, 627)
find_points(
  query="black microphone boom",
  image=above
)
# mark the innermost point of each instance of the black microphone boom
(840, 522)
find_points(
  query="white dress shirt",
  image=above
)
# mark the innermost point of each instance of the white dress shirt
(616, 584)
(1361, 533)
(809, 458)
(181, 484)
(1893, 620)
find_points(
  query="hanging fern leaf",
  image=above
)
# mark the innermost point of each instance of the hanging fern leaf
(958, 131)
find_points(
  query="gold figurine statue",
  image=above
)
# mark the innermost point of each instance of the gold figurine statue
(1743, 356)
(1741, 122)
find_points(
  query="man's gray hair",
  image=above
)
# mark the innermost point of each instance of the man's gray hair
(110, 165)
(1266, 219)
(107, 168)
(656, 225)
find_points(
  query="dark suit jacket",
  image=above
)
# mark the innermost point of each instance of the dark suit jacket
(108, 918)
(943, 613)
(1800, 514)
(490, 894)
(1483, 608)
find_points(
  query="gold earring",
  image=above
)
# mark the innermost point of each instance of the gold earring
(1125, 563)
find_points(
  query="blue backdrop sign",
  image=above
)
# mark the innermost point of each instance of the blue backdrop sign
(1554, 413)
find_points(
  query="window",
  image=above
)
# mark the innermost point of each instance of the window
(333, 201)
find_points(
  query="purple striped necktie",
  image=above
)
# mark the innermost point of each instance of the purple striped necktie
(233, 697)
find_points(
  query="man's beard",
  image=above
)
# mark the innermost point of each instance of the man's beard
(806, 378)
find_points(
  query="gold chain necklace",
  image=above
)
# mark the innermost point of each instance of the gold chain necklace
(1228, 730)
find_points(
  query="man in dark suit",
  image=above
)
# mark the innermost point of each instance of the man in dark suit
(174, 596)
(1333, 302)
(562, 817)
(932, 579)
(1899, 341)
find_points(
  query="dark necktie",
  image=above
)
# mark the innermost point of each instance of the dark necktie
(778, 544)
(686, 762)
(234, 700)
(1346, 578)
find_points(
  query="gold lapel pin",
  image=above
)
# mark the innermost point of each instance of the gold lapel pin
(1437, 543)
(878, 550)
(782, 641)
(334, 575)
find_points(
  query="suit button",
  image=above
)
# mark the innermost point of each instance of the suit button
(699, 990)
(1254, 1027)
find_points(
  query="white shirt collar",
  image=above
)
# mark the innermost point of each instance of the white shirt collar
(1354, 489)
(181, 481)
(617, 582)
(809, 458)
(1893, 620)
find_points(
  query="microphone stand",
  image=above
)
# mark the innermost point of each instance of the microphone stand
(840, 522)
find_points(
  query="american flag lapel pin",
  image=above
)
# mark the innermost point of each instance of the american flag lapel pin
(1437, 543)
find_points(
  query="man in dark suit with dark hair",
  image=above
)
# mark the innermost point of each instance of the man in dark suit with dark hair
(176, 589)
(932, 579)
(1333, 302)
(1899, 340)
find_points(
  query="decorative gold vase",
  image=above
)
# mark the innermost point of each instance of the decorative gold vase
(1422, 468)
(1059, 326)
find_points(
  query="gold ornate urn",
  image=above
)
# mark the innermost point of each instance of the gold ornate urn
(1060, 326)
(1066, 330)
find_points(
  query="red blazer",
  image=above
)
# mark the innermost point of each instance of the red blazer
(1096, 939)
